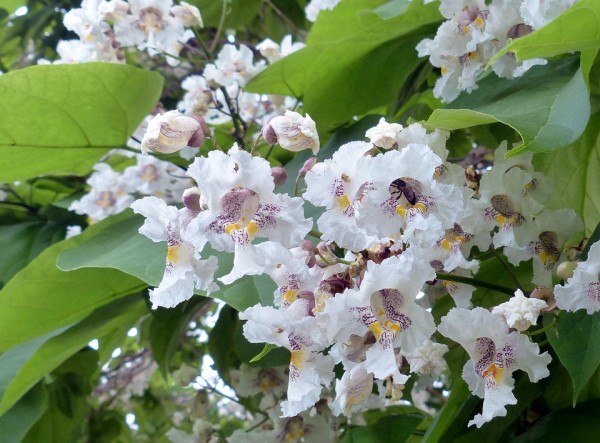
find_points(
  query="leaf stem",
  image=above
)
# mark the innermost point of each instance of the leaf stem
(474, 282)
(508, 269)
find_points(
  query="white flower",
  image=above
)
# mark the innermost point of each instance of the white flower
(171, 132)
(233, 66)
(240, 206)
(184, 272)
(293, 329)
(543, 240)
(315, 6)
(352, 390)
(405, 196)
(520, 312)
(108, 195)
(428, 359)
(385, 305)
(495, 354)
(152, 25)
(273, 52)
(582, 291)
(385, 134)
(151, 176)
(340, 184)
(538, 13)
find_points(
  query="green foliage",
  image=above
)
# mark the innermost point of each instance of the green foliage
(41, 298)
(359, 64)
(576, 340)
(573, 172)
(62, 119)
(576, 29)
(556, 114)
(339, 74)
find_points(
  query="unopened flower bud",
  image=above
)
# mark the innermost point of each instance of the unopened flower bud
(269, 135)
(325, 256)
(171, 132)
(308, 165)
(191, 199)
(520, 312)
(188, 14)
(293, 132)
(547, 295)
(565, 270)
(279, 175)
(384, 135)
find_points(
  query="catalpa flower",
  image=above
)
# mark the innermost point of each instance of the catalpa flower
(543, 240)
(294, 329)
(406, 197)
(495, 354)
(520, 312)
(582, 290)
(386, 305)
(233, 66)
(340, 184)
(184, 272)
(241, 206)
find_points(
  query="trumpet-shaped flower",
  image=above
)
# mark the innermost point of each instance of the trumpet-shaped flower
(582, 290)
(240, 206)
(495, 353)
(293, 329)
(184, 272)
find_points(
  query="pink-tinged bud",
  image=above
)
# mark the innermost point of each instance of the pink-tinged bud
(203, 125)
(170, 132)
(293, 132)
(188, 14)
(547, 295)
(191, 199)
(325, 257)
(279, 175)
(565, 270)
(308, 165)
(309, 247)
(268, 134)
(310, 298)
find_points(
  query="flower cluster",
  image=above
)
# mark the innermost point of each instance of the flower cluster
(475, 30)
(105, 27)
(395, 224)
(112, 192)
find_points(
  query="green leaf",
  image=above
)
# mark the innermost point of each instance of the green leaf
(574, 173)
(595, 237)
(61, 119)
(38, 359)
(42, 298)
(220, 342)
(65, 417)
(239, 12)
(459, 406)
(268, 348)
(561, 427)
(549, 106)
(167, 328)
(576, 341)
(15, 423)
(340, 74)
(576, 29)
(248, 291)
(117, 244)
(390, 428)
